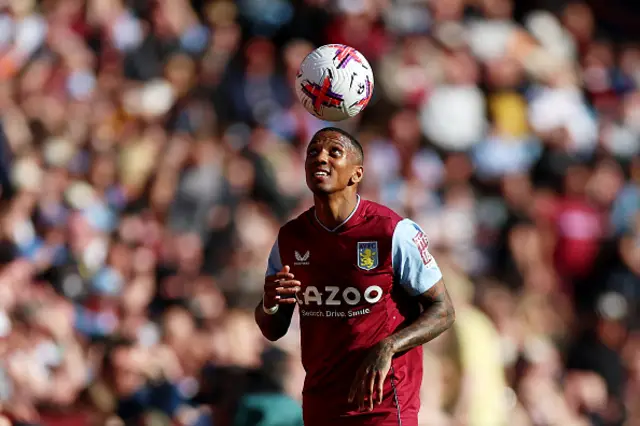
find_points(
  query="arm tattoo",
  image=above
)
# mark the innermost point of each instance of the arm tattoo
(438, 316)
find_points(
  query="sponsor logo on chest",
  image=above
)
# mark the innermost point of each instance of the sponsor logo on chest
(301, 259)
(337, 296)
(338, 301)
(367, 256)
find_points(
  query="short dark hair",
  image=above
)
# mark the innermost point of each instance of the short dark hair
(357, 148)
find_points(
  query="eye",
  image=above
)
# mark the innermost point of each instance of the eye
(336, 151)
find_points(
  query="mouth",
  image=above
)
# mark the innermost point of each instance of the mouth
(321, 173)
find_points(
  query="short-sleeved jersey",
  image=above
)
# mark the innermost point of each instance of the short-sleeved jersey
(359, 283)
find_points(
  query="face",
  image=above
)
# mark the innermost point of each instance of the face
(331, 164)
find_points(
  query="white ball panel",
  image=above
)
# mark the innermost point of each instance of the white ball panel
(335, 82)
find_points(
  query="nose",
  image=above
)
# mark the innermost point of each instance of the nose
(321, 158)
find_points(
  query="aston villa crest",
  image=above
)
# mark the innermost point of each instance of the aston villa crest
(368, 255)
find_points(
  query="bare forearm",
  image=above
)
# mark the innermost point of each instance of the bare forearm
(433, 322)
(438, 316)
(274, 326)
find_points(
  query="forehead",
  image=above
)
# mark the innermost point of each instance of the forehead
(328, 138)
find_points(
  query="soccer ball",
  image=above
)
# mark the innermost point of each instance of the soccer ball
(334, 82)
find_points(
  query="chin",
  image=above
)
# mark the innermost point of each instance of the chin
(319, 189)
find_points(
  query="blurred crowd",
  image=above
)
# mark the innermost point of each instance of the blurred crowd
(150, 150)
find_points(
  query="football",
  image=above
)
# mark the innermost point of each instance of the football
(334, 82)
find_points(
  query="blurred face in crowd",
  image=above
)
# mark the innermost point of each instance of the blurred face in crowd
(524, 242)
(405, 129)
(631, 111)
(576, 180)
(120, 258)
(517, 190)
(635, 170)
(139, 160)
(208, 300)
(605, 182)
(103, 173)
(497, 9)
(137, 296)
(461, 69)
(180, 71)
(128, 375)
(260, 57)
(504, 73)
(630, 60)
(444, 10)
(294, 54)
(189, 252)
(178, 326)
(332, 164)
(21, 7)
(578, 19)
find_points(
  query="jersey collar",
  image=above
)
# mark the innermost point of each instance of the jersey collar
(353, 213)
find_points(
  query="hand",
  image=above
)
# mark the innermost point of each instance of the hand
(278, 287)
(370, 377)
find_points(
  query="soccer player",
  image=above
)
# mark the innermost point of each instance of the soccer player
(369, 295)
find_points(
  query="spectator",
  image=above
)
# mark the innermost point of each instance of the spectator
(150, 150)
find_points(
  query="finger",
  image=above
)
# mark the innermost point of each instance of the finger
(283, 276)
(373, 385)
(285, 273)
(288, 290)
(360, 394)
(287, 300)
(280, 284)
(380, 388)
(270, 294)
(279, 277)
(355, 385)
(368, 386)
(288, 283)
(364, 401)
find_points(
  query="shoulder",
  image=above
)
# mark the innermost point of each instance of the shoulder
(298, 224)
(382, 217)
(407, 231)
(372, 208)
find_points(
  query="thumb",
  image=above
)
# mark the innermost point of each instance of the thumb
(285, 269)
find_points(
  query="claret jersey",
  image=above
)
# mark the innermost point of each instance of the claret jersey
(359, 283)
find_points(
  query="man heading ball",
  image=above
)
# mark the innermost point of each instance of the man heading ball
(369, 294)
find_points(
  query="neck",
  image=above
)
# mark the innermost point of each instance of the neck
(333, 209)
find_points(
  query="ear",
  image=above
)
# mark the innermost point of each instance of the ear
(357, 175)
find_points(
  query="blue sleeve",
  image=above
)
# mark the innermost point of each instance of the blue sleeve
(274, 264)
(413, 266)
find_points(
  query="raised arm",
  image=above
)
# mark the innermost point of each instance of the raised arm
(275, 310)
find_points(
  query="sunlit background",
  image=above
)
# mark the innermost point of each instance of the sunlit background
(151, 149)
